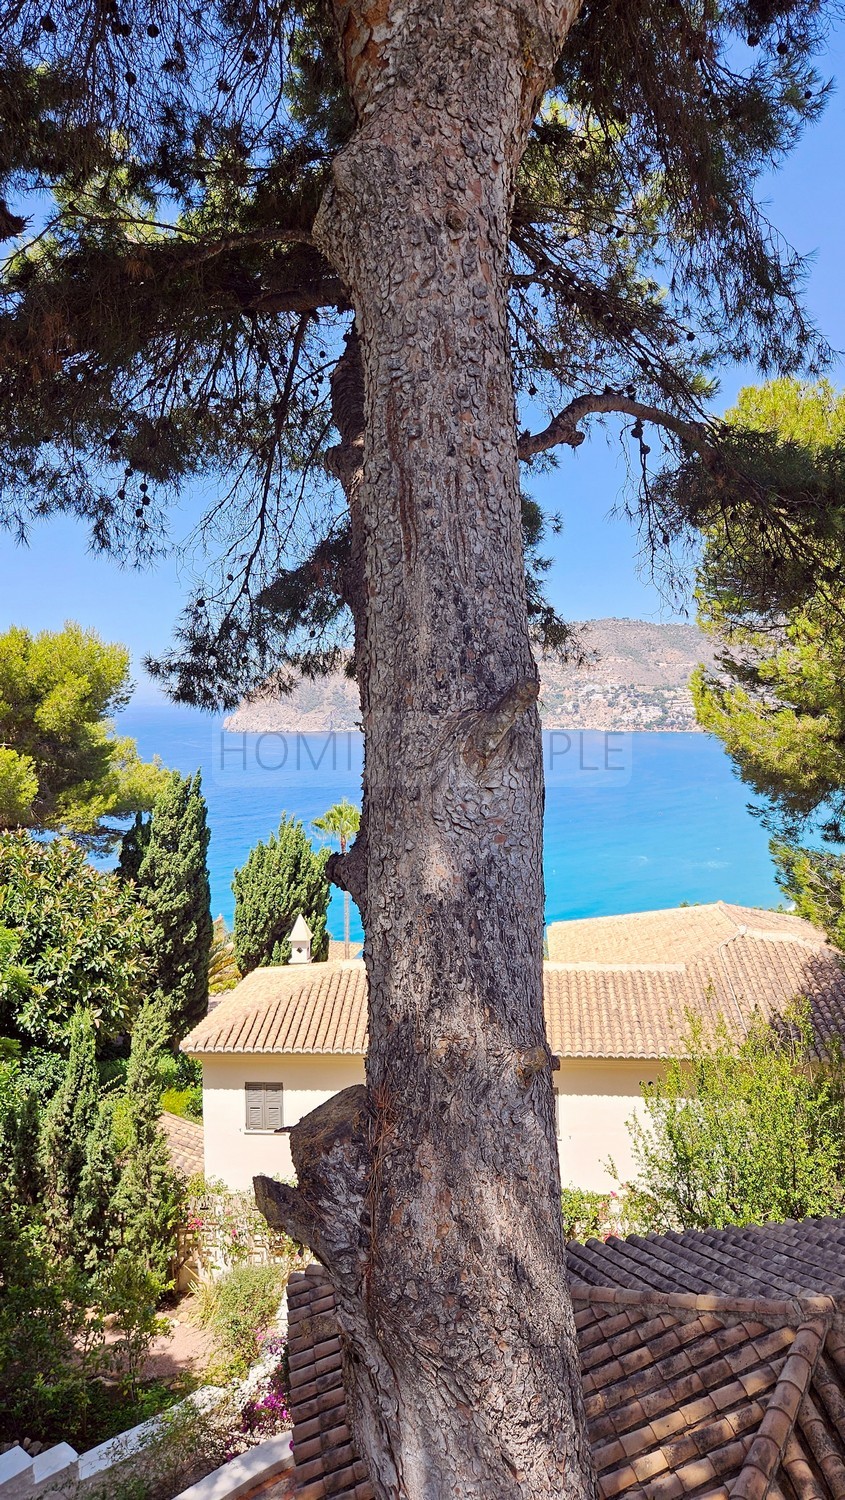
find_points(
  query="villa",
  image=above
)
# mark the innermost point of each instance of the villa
(617, 991)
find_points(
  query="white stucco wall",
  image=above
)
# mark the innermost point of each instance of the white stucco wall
(597, 1097)
(232, 1153)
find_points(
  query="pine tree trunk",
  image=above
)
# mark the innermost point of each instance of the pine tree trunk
(432, 1196)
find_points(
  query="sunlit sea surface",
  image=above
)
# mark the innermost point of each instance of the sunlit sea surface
(633, 821)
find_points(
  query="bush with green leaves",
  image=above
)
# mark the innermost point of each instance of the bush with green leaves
(42, 1314)
(130, 1294)
(281, 879)
(45, 1069)
(186, 1103)
(81, 939)
(741, 1132)
(88, 1210)
(588, 1214)
(180, 1078)
(585, 1213)
(238, 1309)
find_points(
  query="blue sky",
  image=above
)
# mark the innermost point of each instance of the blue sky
(595, 558)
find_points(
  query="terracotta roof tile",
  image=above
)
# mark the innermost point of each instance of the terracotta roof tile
(738, 1396)
(771, 1262)
(184, 1143)
(719, 1406)
(673, 935)
(615, 987)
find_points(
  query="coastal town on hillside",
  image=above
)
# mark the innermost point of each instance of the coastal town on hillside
(634, 675)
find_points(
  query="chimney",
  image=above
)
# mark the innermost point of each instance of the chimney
(300, 941)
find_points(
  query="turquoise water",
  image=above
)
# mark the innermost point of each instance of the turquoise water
(632, 821)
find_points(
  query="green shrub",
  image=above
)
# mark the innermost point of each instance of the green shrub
(81, 941)
(743, 1132)
(585, 1214)
(591, 1215)
(188, 1071)
(42, 1312)
(112, 1072)
(131, 1293)
(191, 1442)
(185, 1102)
(44, 1070)
(180, 1078)
(238, 1309)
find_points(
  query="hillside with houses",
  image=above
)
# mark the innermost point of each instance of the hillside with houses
(633, 675)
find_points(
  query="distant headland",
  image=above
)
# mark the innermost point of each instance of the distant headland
(635, 677)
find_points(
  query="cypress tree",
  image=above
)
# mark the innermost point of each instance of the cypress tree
(167, 859)
(133, 847)
(95, 1230)
(21, 1177)
(146, 1203)
(280, 879)
(68, 1122)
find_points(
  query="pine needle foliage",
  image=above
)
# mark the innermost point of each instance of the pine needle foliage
(165, 317)
(777, 699)
(62, 767)
(814, 880)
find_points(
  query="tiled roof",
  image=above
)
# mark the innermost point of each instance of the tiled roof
(678, 934)
(291, 1008)
(616, 987)
(184, 1142)
(770, 1260)
(336, 950)
(687, 1393)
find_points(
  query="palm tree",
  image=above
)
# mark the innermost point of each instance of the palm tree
(341, 822)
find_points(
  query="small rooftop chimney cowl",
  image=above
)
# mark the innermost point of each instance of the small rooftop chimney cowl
(299, 938)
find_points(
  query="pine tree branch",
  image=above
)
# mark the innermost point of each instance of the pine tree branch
(285, 1208)
(328, 1211)
(489, 727)
(564, 428)
(349, 871)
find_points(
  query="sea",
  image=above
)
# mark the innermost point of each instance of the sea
(632, 821)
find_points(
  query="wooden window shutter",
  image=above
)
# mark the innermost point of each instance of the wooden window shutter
(272, 1106)
(255, 1106)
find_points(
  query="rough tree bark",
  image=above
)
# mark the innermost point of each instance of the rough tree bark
(432, 1195)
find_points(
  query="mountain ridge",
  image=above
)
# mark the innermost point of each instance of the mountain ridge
(635, 677)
